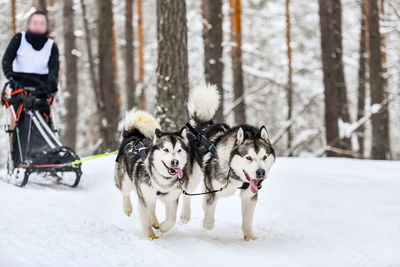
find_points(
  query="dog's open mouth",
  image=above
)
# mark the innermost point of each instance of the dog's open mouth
(173, 171)
(255, 184)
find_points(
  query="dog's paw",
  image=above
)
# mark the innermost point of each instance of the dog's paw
(165, 226)
(155, 225)
(128, 210)
(153, 237)
(208, 224)
(250, 236)
(185, 219)
(127, 205)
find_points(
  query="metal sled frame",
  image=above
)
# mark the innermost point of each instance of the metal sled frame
(19, 175)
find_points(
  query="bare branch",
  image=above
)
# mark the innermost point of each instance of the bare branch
(240, 99)
(261, 75)
(289, 123)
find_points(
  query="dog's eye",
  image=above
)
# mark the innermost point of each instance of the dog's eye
(166, 150)
(265, 157)
(179, 150)
(248, 158)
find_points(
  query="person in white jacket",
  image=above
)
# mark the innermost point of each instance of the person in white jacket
(31, 57)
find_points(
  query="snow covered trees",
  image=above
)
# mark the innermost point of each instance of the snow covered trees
(281, 56)
(172, 64)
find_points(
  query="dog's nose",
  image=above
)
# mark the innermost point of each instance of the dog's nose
(260, 173)
(174, 163)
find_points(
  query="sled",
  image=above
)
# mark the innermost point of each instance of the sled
(33, 146)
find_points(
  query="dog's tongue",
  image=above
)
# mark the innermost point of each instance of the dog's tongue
(178, 172)
(254, 186)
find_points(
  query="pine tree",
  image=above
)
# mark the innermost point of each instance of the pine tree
(130, 84)
(71, 74)
(236, 55)
(380, 121)
(172, 65)
(108, 90)
(212, 37)
(336, 107)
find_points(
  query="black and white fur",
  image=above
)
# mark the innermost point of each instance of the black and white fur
(245, 150)
(154, 177)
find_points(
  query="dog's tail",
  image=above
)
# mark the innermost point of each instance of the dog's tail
(203, 103)
(141, 121)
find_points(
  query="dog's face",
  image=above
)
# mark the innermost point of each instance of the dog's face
(170, 153)
(252, 156)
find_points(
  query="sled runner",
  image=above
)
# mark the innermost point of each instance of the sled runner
(33, 145)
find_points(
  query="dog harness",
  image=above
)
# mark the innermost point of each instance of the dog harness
(140, 147)
(203, 145)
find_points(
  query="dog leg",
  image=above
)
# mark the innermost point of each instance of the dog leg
(171, 207)
(154, 220)
(186, 209)
(126, 188)
(248, 206)
(145, 218)
(194, 181)
(209, 204)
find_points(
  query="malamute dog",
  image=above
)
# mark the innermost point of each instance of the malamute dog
(243, 158)
(152, 163)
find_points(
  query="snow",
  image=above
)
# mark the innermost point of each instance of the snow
(311, 212)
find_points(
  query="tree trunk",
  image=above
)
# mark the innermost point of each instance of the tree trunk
(52, 23)
(362, 75)
(290, 73)
(108, 90)
(115, 56)
(92, 66)
(212, 37)
(40, 5)
(172, 65)
(130, 85)
(344, 114)
(236, 54)
(335, 89)
(384, 56)
(13, 19)
(71, 101)
(141, 60)
(380, 121)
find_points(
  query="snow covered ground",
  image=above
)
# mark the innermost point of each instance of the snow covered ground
(311, 212)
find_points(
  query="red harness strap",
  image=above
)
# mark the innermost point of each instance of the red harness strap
(18, 91)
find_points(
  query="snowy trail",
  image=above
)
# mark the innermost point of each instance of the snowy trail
(311, 212)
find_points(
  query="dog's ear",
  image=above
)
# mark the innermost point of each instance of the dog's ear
(158, 133)
(239, 136)
(264, 134)
(183, 133)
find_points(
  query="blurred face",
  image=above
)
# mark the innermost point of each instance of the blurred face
(38, 24)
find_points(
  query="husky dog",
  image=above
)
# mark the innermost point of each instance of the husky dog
(152, 163)
(243, 158)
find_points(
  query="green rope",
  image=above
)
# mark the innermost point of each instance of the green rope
(19, 144)
(79, 161)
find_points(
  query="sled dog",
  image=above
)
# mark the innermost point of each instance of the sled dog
(243, 156)
(152, 163)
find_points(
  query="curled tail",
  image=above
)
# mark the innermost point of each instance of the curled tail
(203, 103)
(141, 121)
